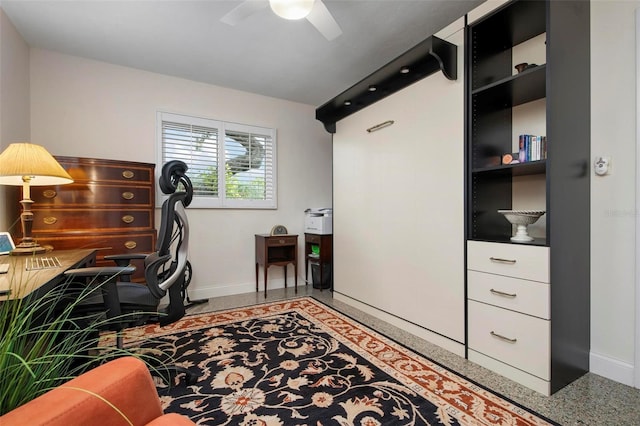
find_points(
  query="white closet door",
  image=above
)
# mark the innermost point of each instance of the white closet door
(399, 206)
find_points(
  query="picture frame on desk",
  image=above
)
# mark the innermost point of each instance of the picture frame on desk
(6, 243)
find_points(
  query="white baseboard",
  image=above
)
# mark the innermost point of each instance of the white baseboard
(233, 289)
(611, 368)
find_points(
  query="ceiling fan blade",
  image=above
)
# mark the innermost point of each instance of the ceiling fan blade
(243, 11)
(322, 19)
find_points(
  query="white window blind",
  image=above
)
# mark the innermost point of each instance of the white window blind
(230, 165)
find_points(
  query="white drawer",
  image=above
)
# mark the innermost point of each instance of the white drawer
(512, 260)
(528, 297)
(518, 340)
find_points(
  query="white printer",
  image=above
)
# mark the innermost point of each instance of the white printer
(318, 221)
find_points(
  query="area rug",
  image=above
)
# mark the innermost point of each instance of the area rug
(300, 362)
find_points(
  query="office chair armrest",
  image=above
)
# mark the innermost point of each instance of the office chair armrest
(151, 273)
(100, 271)
(125, 259)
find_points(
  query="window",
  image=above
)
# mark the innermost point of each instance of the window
(230, 165)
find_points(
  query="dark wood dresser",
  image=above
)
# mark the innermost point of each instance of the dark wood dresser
(110, 205)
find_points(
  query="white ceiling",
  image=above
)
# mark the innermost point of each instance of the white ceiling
(263, 54)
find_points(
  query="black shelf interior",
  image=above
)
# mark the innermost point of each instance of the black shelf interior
(493, 91)
(495, 35)
(518, 89)
(519, 169)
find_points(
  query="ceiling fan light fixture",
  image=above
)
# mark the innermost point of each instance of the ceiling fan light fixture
(291, 9)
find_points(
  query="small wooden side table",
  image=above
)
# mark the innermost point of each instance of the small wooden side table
(280, 250)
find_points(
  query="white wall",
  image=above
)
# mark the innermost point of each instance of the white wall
(399, 206)
(86, 108)
(14, 96)
(613, 211)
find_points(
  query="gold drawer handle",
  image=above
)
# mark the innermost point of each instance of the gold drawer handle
(501, 337)
(127, 195)
(49, 193)
(50, 220)
(127, 174)
(500, 260)
(128, 218)
(502, 293)
(281, 241)
(130, 244)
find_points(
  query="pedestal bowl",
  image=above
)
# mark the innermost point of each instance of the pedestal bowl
(522, 219)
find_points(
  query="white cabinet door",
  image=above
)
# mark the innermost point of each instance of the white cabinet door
(399, 207)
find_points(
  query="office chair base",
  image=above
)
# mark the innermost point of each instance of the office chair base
(192, 303)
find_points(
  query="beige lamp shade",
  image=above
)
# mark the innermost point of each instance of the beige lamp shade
(21, 160)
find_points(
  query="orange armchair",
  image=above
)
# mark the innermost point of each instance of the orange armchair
(120, 392)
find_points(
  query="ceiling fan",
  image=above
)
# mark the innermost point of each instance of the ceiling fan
(315, 11)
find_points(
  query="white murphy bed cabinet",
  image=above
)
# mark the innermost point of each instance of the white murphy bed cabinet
(399, 206)
(415, 203)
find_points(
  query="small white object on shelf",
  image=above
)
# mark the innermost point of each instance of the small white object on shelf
(522, 219)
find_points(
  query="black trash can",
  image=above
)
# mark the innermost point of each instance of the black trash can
(326, 275)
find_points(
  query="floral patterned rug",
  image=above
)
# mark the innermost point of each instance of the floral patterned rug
(300, 362)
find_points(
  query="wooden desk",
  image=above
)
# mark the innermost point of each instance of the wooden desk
(36, 282)
(280, 250)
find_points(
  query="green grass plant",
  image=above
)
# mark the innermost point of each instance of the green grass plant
(45, 341)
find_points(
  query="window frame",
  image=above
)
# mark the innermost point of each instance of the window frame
(221, 201)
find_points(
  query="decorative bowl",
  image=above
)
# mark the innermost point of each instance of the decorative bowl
(522, 219)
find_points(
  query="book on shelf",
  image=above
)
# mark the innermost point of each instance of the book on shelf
(532, 148)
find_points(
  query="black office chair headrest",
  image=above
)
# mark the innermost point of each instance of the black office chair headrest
(174, 173)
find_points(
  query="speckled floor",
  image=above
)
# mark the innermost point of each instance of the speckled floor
(590, 400)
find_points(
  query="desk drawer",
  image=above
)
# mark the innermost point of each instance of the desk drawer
(277, 241)
(77, 195)
(56, 220)
(526, 262)
(126, 242)
(519, 340)
(529, 297)
(94, 170)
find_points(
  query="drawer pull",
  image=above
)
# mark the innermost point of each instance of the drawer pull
(281, 241)
(500, 260)
(49, 193)
(130, 244)
(502, 293)
(501, 337)
(128, 218)
(127, 195)
(127, 174)
(50, 220)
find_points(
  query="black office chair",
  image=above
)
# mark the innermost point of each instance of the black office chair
(126, 304)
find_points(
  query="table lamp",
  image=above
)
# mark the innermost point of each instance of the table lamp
(26, 164)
